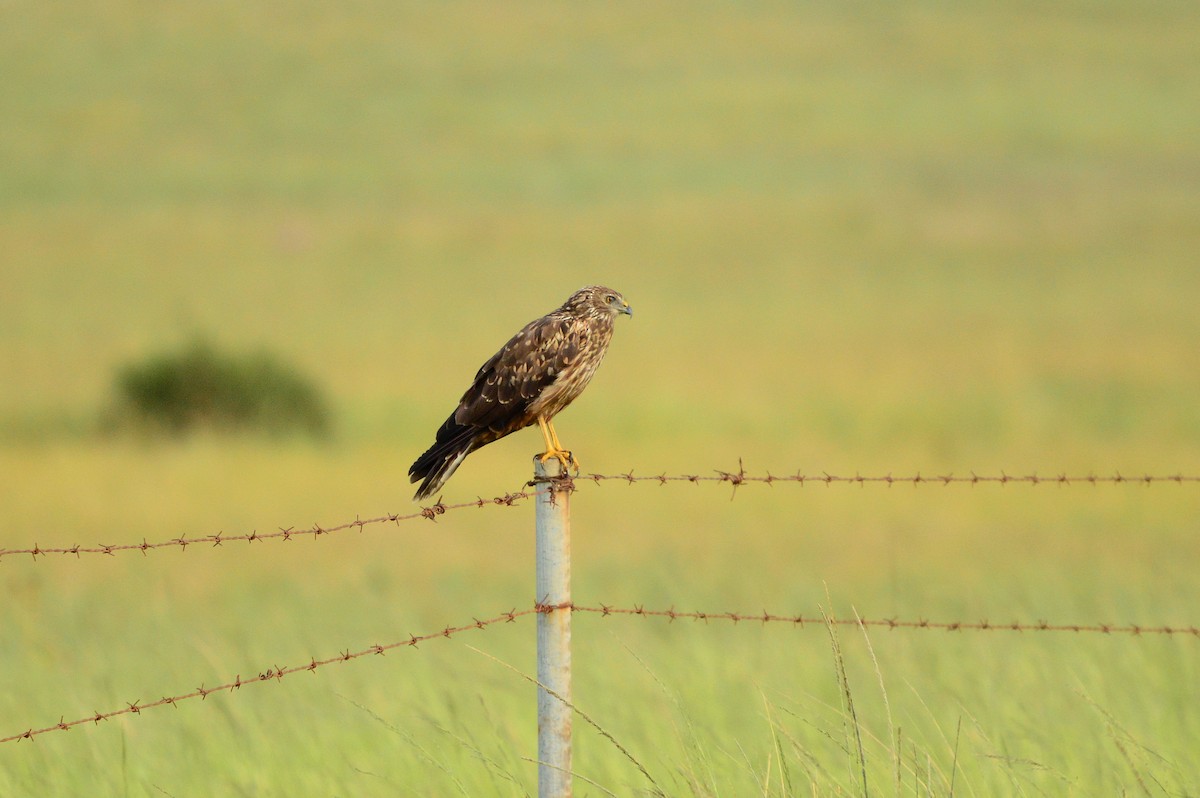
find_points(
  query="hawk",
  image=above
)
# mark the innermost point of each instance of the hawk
(540, 371)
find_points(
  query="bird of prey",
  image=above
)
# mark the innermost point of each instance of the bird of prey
(540, 371)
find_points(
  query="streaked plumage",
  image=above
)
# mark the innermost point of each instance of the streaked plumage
(540, 371)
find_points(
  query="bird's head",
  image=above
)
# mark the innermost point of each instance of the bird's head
(598, 300)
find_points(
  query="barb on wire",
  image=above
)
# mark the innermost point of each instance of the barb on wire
(430, 513)
(278, 672)
(273, 673)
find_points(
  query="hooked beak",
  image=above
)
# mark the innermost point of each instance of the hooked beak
(627, 310)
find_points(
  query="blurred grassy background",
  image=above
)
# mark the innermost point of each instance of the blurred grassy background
(857, 236)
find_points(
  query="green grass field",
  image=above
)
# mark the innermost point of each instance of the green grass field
(862, 237)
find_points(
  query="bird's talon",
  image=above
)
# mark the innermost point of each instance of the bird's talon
(564, 457)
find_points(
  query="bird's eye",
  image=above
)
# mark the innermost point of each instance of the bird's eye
(610, 299)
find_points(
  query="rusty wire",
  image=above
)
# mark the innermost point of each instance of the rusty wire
(430, 513)
(741, 477)
(735, 478)
(277, 673)
(672, 614)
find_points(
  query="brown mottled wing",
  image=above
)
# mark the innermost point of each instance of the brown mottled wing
(507, 385)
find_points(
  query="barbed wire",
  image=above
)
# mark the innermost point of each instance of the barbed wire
(672, 614)
(273, 673)
(277, 673)
(742, 477)
(735, 478)
(430, 513)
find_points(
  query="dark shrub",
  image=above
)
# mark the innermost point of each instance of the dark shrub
(201, 387)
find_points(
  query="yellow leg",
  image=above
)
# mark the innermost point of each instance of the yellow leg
(559, 447)
(554, 448)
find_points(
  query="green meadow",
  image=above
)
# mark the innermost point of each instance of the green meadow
(860, 237)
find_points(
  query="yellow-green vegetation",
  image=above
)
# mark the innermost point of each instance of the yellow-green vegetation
(857, 236)
(200, 387)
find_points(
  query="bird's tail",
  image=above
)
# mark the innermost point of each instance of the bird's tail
(454, 442)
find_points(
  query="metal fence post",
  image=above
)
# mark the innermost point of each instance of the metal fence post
(553, 552)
